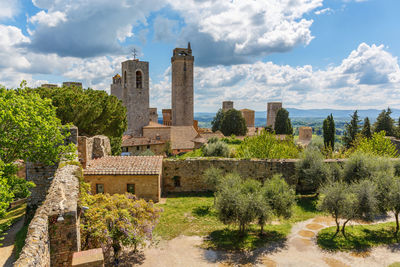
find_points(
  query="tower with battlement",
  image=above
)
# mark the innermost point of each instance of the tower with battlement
(182, 87)
(133, 89)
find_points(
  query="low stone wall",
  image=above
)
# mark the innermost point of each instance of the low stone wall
(54, 234)
(186, 175)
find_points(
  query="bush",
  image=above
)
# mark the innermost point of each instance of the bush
(267, 146)
(217, 149)
(311, 169)
(231, 140)
(213, 140)
(377, 145)
(279, 195)
(147, 152)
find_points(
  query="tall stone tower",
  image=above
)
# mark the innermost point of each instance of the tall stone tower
(182, 87)
(227, 105)
(272, 110)
(133, 89)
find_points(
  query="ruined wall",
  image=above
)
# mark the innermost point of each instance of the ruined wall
(51, 242)
(186, 175)
(93, 147)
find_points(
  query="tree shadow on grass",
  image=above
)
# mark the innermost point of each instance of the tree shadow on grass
(190, 194)
(307, 202)
(202, 211)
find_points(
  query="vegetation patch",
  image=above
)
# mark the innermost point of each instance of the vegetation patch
(358, 237)
(10, 218)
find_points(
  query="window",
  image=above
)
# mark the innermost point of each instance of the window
(130, 188)
(177, 181)
(137, 148)
(125, 78)
(99, 188)
(138, 79)
(148, 146)
(125, 149)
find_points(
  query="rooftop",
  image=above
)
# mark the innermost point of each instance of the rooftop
(125, 165)
(182, 136)
(153, 124)
(139, 141)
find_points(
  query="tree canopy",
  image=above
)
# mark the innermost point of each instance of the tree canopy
(94, 112)
(366, 130)
(385, 123)
(352, 129)
(329, 132)
(232, 122)
(282, 122)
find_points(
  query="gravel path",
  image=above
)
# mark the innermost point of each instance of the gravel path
(300, 250)
(7, 257)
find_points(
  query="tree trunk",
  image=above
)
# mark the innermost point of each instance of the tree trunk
(397, 222)
(337, 228)
(262, 229)
(343, 228)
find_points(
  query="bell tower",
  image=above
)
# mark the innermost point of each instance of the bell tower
(182, 86)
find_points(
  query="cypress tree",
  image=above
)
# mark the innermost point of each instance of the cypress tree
(329, 132)
(385, 123)
(282, 122)
(366, 131)
(352, 129)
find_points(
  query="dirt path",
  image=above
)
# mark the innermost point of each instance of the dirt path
(299, 250)
(7, 249)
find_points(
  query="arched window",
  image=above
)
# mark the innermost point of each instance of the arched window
(138, 79)
(125, 78)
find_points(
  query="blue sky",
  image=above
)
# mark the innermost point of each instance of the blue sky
(307, 53)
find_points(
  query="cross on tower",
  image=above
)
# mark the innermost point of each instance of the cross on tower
(134, 53)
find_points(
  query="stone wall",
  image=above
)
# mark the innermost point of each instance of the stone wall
(93, 147)
(186, 175)
(54, 234)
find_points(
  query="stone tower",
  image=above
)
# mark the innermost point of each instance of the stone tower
(227, 105)
(273, 108)
(133, 89)
(182, 87)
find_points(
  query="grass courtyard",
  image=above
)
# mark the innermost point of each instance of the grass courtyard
(193, 214)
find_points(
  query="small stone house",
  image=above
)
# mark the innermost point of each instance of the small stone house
(137, 145)
(139, 175)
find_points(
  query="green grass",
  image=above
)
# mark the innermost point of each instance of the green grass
(359, 237)
(10, 218)
(20, 240)
(395, 264)
(192, 214)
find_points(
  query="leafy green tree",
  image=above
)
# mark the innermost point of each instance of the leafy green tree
(115, 221)
(216, 122)
(94, 112)
(352, 129)
(329, 132)
(385, 123)
(267, 146)
(336, 199)
(393, 203)
(311, 170)
(213, 177)
(6, 196)
(282, 122)
(377, 145)
(366, 130)
(233, 123)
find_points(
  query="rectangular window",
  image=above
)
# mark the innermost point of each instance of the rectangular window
(130, 188)
(137, 148)
(99, 188)
(148, 146)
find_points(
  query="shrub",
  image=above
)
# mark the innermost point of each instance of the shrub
(147, 152)
(311, 169)
(267, 146)
(213, 140)
(279, 196)
(377, 145)
(217, 149)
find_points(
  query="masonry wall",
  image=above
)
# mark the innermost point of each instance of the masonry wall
(50, 242)
(146, 186)
(186, 175)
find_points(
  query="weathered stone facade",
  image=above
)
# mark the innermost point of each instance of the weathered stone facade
(167, 117)
(77, 84)
(227, 105)
(249, 117)
(133, 90)
(182, 87)
(272, 110)
(93, 147)
(153, 116)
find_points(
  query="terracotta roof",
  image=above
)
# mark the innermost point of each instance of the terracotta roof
(124, 165)
(200, 139)
(140, 141)
(208, 135)
(153, 124)
(182, 136)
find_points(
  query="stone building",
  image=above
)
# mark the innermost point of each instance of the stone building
(272, 110)
(182, 87)
(167, 117)
(249, 117)
(49, 85)
(305, 135)
(137, 145)
(226, 105)
(119, 174)
(133, 89)
(69, 84)
(153, 116)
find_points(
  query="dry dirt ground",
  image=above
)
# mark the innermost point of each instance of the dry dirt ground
(7, 257)
(299, 250)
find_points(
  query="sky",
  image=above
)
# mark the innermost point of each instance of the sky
(340, 54)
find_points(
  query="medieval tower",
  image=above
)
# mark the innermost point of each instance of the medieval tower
(182, 87)
(133, 89)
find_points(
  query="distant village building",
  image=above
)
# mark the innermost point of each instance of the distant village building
(49, 85)
(249, 117)
(272, 110)
(153, 116)
(227, 105)
(305, 135)
(137, 145)
(70, 84)
(119, 174)
(167, 117)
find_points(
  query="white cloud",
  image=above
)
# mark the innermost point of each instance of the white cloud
(50, 19)
(8, 9)
(323, 11)
(165, 29)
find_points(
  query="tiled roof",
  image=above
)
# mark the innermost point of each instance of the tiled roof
(140, 141)
(182, 136)
(125, 165)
